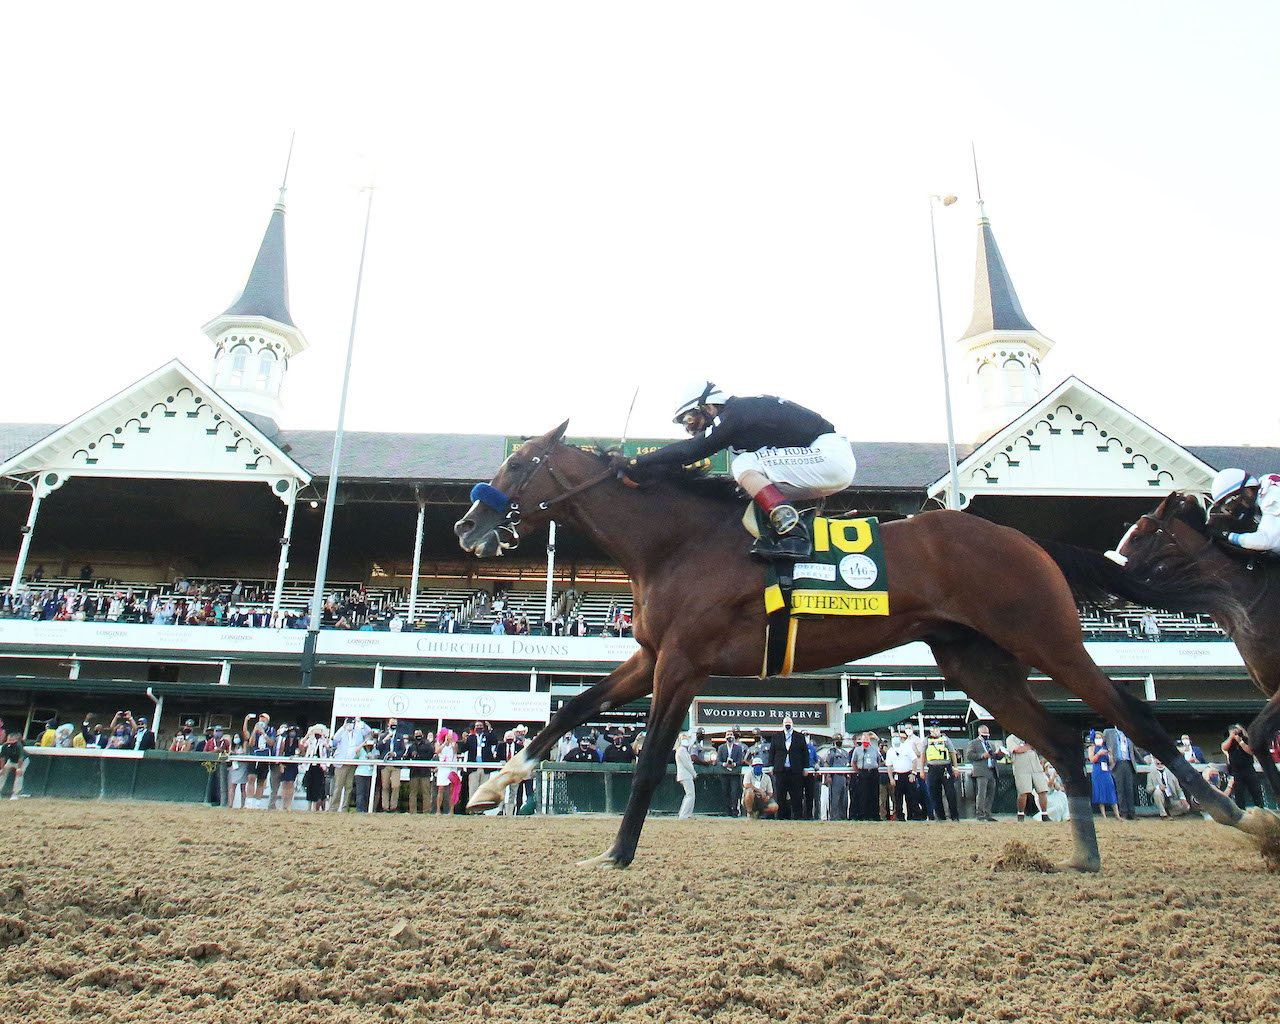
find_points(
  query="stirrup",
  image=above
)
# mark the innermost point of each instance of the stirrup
(792, 547)
(784, 519)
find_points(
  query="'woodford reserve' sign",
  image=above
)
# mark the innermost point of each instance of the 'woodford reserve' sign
(767, 714)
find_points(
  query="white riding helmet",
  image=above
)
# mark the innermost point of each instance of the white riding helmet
(697, 394)
(1227, 482)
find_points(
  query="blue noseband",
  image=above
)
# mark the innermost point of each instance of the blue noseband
(489, 495)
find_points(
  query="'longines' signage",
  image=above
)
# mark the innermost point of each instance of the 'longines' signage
(767, 713)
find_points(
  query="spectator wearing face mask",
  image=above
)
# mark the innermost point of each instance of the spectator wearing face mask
(757, 791)
(585, 752)
(836, 783)
(1190, 751)
(618, 751)
(422, 784)
(790, 762)
(865, 790)
(364, 772)
(347, 741)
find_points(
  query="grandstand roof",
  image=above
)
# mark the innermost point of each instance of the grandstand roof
(373, 455)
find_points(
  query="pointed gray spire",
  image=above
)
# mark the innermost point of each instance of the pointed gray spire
(266, 293)
(995, 303)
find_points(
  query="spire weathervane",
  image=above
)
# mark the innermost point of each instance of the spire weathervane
(284, 182)
(976, 180)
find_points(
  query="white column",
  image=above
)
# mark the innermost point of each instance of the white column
(551, 568)
(417, 564)
(28, 532)
(284, 550)
(377, 675)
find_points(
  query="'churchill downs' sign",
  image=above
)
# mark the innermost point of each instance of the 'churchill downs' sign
(766, 714)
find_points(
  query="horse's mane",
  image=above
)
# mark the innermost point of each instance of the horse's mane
(685, 479)
(1176, 582)
(1189, 509)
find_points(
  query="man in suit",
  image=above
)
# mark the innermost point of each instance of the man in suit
(790, 760)
(731, 756)
(983, 754)
(1123, 758)
(1166, 792)
(145, 737)
(479, 746)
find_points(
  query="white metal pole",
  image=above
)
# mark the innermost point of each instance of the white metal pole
(417, 564)
(953, 497)
(551, 569)
(28, 532)
(284, 550)
(326, 531)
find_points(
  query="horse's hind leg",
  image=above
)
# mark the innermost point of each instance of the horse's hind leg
(997, 681)
(1082, 677)
(1262, 731)
(629, 681)
(673, 692)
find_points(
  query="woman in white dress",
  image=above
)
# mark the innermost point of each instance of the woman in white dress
(447, 755)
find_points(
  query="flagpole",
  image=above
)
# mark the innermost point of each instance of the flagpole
(308, 663)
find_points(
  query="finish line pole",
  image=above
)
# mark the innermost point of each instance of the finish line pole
(308, 663)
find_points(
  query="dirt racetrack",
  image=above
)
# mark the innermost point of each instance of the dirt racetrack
(145, 912)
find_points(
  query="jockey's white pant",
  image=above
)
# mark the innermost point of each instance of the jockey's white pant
(823, 468)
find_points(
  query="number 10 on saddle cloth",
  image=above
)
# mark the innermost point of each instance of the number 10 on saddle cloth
(845, 575)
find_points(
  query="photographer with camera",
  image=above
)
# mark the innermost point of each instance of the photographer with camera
(1244, 777)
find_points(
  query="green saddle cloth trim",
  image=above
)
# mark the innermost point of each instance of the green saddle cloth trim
(845, 575)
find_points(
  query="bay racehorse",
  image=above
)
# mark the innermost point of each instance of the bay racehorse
(987, 600)
(1177, 541)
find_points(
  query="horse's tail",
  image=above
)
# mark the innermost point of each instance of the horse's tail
(1096, 579)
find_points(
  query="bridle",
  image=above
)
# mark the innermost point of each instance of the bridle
(1161, 529)
(509, 505)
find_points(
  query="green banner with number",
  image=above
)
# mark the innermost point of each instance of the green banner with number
(718, 463)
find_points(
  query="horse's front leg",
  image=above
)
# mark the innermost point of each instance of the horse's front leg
(629, 681)
(673, 692)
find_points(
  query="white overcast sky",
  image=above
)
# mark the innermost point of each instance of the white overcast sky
(576, 199)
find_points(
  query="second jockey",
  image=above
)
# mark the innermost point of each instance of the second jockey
(781, 451)
(1247, 499)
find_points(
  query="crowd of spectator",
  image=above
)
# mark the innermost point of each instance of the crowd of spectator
(901, 776)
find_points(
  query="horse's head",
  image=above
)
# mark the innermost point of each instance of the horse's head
(537, 475)
(1175, 531)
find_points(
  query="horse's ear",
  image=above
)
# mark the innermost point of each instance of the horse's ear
(558, 434)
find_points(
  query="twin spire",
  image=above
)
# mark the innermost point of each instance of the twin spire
(255, 337)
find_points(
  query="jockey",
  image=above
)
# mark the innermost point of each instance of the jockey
(1252, 497)
(781, 451)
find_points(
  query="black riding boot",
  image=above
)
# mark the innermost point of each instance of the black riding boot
(786, 539)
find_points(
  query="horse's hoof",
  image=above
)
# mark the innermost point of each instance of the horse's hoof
(1083, 865)
(603, 860)
(1264, 826)
(486, 798)
(478, 804)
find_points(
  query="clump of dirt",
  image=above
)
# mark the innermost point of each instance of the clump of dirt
(1018, 856)
(196, 915)
(13, 931)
